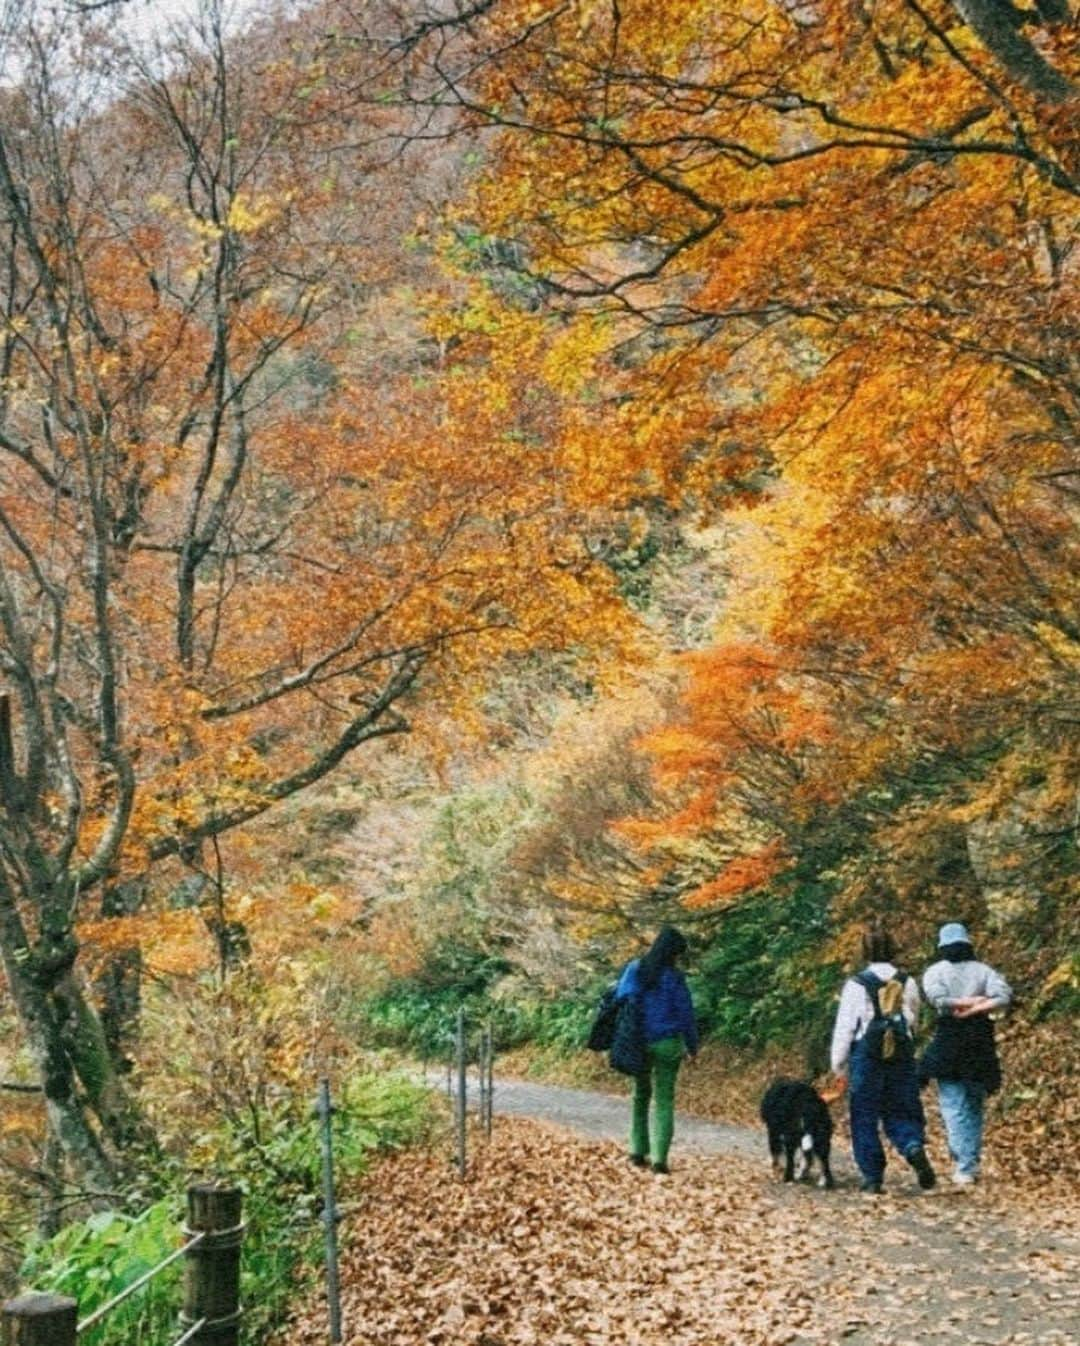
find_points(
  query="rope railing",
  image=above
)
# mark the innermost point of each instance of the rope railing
(192, 1332)
(144, 1279)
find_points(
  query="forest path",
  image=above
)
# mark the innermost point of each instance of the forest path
(604, 1116)
(554, 1238)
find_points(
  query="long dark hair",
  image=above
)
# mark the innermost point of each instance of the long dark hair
(666, 947)
(878, 945)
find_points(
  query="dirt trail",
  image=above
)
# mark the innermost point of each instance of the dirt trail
(555, 1239)
(604, 1117)
(979, 1266)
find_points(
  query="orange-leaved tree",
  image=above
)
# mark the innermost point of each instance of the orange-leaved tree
(825, 254)
(235, 542)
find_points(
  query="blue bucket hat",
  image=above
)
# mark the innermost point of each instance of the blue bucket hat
(953, 933)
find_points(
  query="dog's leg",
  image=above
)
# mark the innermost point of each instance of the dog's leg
(776, 1151)
(806, 1154)
(789, 1159)
(826, 1179)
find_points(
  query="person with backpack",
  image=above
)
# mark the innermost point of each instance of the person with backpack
(872, 1038)
(657, 988)
(962, 1055)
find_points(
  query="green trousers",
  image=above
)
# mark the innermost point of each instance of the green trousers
(656, 1084)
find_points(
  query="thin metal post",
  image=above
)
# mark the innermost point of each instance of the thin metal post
(212, 1274)
(39, 1320)
(330, 1215)
(489, 1065)
(481, 1071)
(462, 1087)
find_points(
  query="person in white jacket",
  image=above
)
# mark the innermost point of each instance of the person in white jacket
(883, 1094)
(962, 1056)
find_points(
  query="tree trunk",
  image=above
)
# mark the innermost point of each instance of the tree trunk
(120, 987)
(84, 1038)
(119, 984)
(231, 938)
(206, 891)
(995, 23)
(67, 1044)
(67, 1119)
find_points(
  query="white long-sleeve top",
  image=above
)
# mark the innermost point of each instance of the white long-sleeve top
(857, 1009)
(945, 983)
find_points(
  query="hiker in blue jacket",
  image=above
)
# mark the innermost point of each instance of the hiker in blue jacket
(670, 1034)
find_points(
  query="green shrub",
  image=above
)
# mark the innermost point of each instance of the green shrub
(417, 1018)
(417, 1014)
(563, 1024)
(282, 1179)
(761, 981)
(94, 1260)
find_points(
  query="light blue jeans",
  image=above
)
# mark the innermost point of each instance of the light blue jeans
(961, 1103)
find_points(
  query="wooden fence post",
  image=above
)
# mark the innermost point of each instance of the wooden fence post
(39, 1320)
(212, 1279)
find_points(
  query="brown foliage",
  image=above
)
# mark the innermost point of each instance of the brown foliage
(558, 1240)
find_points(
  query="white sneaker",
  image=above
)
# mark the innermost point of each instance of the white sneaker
(963, 1179)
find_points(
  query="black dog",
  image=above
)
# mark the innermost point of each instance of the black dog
(798, 1121)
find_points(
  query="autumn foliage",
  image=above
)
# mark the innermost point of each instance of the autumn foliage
(241, 535)
(833, 254)
(350, 375)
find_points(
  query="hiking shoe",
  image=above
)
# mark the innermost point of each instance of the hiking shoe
(660, 1168)
(921, 1164)
(639, 1161)
(963, 1179)
(869, 1185)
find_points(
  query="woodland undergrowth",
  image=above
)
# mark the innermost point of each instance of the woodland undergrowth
(235, 1101)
